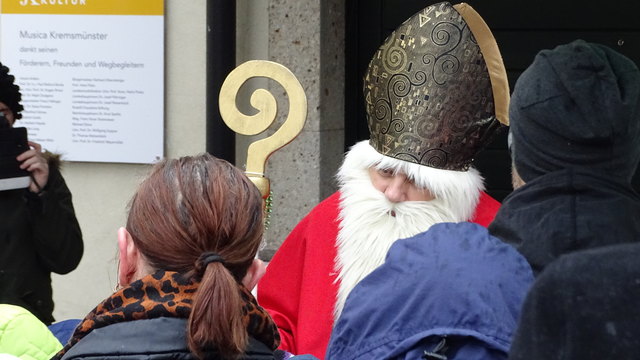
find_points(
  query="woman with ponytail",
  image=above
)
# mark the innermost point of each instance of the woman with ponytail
(186, 267)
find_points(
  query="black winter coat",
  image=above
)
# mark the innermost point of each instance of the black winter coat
(39, 234)
(566, 211)
(583, 306)
(157, 339)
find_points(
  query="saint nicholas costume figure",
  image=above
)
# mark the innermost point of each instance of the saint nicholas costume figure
(436, 93)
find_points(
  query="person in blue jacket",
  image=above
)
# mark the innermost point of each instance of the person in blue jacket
(452, 292)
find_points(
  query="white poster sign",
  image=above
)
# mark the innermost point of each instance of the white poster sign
(91, 73)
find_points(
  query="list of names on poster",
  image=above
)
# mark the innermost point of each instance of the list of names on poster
(92, 85)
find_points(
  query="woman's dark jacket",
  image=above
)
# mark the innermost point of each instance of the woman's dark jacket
(39, 234)
(147, 319)
(157, 339)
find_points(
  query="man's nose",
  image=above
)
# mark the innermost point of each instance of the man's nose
(396, 191)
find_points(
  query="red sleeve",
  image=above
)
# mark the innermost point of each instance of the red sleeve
(486, 210)
(298, 288)
(279, 288)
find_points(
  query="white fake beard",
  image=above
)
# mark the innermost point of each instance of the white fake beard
(368, 229)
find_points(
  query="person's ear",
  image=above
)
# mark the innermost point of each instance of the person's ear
(516, 180)
(128, 258)
(255, 272)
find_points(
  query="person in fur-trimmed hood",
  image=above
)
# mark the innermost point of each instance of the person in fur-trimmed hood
(39, 232)
(436, 92)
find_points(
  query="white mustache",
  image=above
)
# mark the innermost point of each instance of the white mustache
(434, 209)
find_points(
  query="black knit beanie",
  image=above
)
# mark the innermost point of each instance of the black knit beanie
(10, 92)
(577, 106)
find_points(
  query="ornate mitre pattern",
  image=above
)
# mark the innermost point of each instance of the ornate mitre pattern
(436, 90)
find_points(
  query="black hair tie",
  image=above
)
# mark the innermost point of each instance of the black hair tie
(205, 259)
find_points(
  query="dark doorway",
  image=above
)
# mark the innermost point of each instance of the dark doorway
(521, 28)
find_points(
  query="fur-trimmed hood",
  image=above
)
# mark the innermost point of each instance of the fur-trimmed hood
(53, 160)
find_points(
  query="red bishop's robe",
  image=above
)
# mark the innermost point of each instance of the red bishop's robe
(299, 288)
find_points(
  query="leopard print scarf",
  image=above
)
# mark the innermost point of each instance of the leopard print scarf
(167, 294)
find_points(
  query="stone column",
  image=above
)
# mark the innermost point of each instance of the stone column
(306, 36)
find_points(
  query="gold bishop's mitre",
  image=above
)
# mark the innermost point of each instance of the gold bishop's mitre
(436, 91)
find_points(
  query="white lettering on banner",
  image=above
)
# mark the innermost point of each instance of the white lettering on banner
(52, 2)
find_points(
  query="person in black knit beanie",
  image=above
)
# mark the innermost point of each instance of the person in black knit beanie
(575, 131)
(575, 127)
(39, 231)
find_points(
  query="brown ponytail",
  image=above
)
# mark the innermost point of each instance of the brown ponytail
(201, 215)
(222, 323)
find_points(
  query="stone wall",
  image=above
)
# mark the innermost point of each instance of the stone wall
(306, 36)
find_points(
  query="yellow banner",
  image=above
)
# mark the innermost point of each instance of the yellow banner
(83, 7)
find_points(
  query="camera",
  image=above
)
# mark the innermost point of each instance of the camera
(13, 142)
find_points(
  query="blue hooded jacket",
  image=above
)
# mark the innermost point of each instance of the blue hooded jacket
(454, 291)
